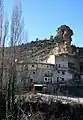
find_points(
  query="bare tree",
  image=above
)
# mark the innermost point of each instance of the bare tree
(15, 39)
(16, 25)
(1, 20)
(3, 36)
(1, 27)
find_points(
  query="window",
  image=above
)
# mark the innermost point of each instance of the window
(47, 66)
(32, 65)
(45, 79)
(57, 79)
(53, 66)
(59, 65)
(56, 65)
(63, 72)
(33, 72)
(64, 49)
(62, 79)
(58, 71)
(31, 80)
(26, 67)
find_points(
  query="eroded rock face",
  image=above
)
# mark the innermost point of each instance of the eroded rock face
(63, 39)
(64, 31)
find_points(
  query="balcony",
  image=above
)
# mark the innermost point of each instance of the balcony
(48, 80)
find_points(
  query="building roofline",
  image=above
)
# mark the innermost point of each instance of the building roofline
(35, 63)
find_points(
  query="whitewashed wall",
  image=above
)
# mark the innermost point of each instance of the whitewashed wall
(62, 65)
(63, 61)
(51, 59)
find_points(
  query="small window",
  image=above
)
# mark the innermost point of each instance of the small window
(32, 65)
(56, 65)
(64, 49)
(53, 66)
(62, 79)
(26, 67)
(33, 72)
(47, 66)
(45, 79)
(57, 79)
(59, 65)
(31, 80)
(63, 72)
(58, 71)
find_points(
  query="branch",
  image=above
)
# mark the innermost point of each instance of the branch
(1, 20)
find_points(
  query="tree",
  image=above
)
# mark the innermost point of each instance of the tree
(17, 25)
(51, 37)
(15, 39)
(16, 35)
(3, 35)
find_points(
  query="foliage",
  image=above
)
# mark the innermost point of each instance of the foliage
(44, 111)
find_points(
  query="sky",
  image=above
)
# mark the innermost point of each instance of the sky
(43, 17)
